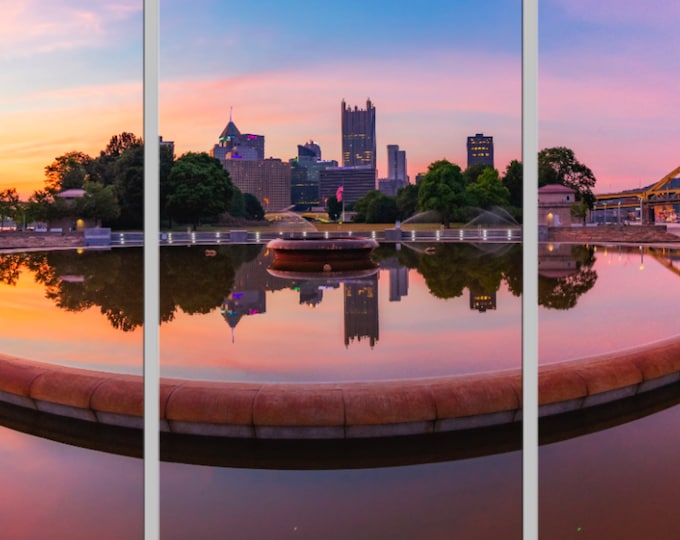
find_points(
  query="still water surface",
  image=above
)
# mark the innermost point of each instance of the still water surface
(419, 315)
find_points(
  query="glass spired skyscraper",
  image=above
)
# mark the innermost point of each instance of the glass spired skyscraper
(358, 135)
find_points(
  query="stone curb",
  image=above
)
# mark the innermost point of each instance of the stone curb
(338, 410)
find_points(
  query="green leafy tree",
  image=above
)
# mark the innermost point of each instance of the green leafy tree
(442, 189)
(558, 165)
(253, 208)
(579, 210)
(68, 171)
(43, 206)
(99, 202)
(375, 207)
(334, 208)
(512, 179)
(9, 205)
(488, 190)
(167, 161)
(199, 189)
(103, 167)
(473, 172)
(237, 208)
(128, 174)
(407, 201)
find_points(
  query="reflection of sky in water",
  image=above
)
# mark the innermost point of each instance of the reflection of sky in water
(473, 498)
(418, 336)
(32, 327)
(54, 490)
(627, 306)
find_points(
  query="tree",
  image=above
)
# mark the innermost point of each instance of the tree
(102, 168)
(488, 190)
(512, 179)
(442, 189)
(473, 172)
(558, 165)
(99, 202)
(253, 208)
(9, 205)
(118, 144)
(333, 207)
(579, 210)
(199, 189)
(128, 178)
(167, 161)
(375, 207)
(407, 201)
(67, 172)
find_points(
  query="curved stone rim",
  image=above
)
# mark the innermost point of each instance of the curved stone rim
(339, 243)
(338, 410)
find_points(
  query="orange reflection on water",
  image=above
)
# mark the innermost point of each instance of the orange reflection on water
(32, 327)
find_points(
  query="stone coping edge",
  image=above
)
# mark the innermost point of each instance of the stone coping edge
(338, 410)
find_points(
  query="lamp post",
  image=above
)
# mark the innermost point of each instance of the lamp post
(618, 214)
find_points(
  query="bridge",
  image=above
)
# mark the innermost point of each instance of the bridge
(659, 201)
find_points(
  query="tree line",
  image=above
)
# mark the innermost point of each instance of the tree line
(194, 189)
(457, 195)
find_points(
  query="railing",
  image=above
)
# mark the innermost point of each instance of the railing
(476, 234)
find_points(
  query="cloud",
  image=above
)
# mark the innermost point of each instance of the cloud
(428, 110)
(32, 27)
(659, 13)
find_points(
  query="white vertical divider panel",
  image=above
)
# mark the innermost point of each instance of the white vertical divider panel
(530, 270)
(151, 271)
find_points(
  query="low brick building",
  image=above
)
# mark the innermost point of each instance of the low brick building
(554, 205)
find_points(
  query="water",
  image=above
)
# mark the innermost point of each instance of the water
(616, 482)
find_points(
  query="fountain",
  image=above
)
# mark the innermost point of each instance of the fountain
(322, 254)
(289, 221)
(426, 217)
(496, 216)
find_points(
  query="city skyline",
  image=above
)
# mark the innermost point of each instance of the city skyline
(72, 77)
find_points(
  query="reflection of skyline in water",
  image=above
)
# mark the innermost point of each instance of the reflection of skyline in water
(81, 294)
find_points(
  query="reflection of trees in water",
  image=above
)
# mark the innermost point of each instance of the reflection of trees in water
(114, 280)
(10, 268)
(563, 292)
(451, 268)
(196, 283)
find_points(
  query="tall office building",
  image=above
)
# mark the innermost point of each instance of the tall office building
(310, 151)
(355, 181)
(480, 150)
(396, 171)
(396, 163)
(232, 144)
(358, 135)
(305, 169)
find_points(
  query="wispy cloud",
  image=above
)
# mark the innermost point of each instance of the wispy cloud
(32, 27)
(427, 111)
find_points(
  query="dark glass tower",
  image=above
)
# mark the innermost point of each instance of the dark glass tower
(358, 135)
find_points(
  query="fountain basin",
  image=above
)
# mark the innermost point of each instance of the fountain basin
(322, 254)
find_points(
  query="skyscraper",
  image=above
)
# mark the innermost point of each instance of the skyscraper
(358, 135)
(232, 144)
(480, 150)
(396, 163)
